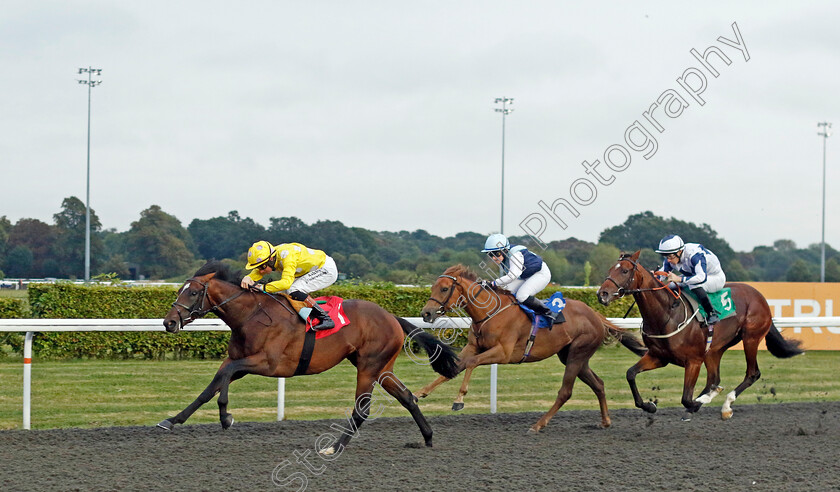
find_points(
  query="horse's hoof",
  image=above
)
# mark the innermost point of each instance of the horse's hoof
(686, 417)
(166, 425)
(726, 414)
(429, 443)
(227, 421)
(457, 406)
(649, 407)
(534, 430)
(420, 394)
(327, 451)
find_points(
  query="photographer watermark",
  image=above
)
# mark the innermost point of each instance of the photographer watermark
(638, 137)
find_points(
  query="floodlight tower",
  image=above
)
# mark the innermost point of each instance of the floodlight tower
(90, 83)
(825, 133)
(505, 111)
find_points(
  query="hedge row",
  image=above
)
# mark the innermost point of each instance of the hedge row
(64, 300)
(11, 308)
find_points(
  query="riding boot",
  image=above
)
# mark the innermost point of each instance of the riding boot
(539, 308)
(711, 314)
(317, 312)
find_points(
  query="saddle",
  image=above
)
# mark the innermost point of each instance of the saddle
(721, 301)
(555, 303)
(333, 305)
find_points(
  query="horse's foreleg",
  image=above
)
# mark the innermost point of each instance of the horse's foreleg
(713, 388)
(203, 398)
(572, 371)
(692, 370)
(646, 363)
(458, 404)
(235, 370)
(397, 389)
(468, 351)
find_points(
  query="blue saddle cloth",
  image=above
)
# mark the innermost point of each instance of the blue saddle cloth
(556, 303)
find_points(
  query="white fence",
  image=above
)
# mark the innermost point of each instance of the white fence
(31, 326)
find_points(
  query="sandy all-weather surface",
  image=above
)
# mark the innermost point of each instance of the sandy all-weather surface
(774, 447)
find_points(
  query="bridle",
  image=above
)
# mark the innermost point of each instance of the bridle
(623, 290)
(443, 309)
(196, 310)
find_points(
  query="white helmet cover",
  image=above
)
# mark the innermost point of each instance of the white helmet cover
(670, 244)
(496, 242)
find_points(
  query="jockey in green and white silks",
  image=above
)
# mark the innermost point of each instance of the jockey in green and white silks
(693, 267)
(522, 272)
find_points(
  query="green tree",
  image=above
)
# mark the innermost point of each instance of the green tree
(602, 258)
(160, 245)
(832, 270)
(69, 246)
(5, 228)
(19, 262)
(800, 271)
(38, 237)
(225, 237)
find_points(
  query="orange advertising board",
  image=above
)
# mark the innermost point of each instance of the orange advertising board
(804, 299)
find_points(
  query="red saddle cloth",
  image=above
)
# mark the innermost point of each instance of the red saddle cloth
(334, 306)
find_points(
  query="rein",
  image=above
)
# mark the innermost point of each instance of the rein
(195, 311)
(624, 290)
(443, 305)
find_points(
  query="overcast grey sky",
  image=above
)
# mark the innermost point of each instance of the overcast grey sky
(380, 113)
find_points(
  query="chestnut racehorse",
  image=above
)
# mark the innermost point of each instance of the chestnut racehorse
(267, 338)
(674, 336)
(500, 332)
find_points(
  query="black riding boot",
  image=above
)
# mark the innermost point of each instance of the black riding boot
(538, 307)
(711, 314)
(325, 321)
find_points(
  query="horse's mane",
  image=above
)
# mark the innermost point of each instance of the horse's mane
(466, 273)
(222, 271)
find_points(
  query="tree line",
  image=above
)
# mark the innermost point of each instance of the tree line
(158, 246)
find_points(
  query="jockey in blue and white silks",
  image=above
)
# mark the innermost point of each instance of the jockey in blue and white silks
(522, 272)
(692, 266)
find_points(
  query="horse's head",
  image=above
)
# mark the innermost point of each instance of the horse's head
(622, 277)
(443, 297)
(191, 304)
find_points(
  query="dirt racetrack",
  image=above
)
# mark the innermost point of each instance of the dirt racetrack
(775, 447)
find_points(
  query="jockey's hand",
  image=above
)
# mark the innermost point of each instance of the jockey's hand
(673, 277)
(485, 284)
(258, 287)
(247, 282)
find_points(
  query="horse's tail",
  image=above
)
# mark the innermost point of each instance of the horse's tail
(442, 357)
(781, 347)
(625, 337)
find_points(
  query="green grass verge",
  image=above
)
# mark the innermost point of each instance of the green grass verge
(101, 393)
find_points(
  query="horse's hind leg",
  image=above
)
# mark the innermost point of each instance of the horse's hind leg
(588, 376)
(752, 375)
(365, 378)
(397, 389)
(203, 398)
(573, 368)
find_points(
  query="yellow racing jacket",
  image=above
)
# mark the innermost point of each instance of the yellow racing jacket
(293, 260)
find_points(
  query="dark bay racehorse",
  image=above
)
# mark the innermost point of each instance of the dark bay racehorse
(674, 336)
(267, 337)
(500, 332)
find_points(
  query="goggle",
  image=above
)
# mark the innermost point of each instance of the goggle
(495, 253)
(670, 255)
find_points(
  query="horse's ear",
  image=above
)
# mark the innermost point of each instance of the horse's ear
(636, 255)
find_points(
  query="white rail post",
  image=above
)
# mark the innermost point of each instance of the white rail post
(494, 373)
(281, 399)
(27, 379)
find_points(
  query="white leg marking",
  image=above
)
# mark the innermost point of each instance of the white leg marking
(708, 397)
(726, 411)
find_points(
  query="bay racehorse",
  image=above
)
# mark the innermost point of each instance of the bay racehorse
(267, 338)
(673, 334)
(500, 332)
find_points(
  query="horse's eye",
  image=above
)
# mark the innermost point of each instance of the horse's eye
(444, 289)
(624, 271)
(193, 293)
